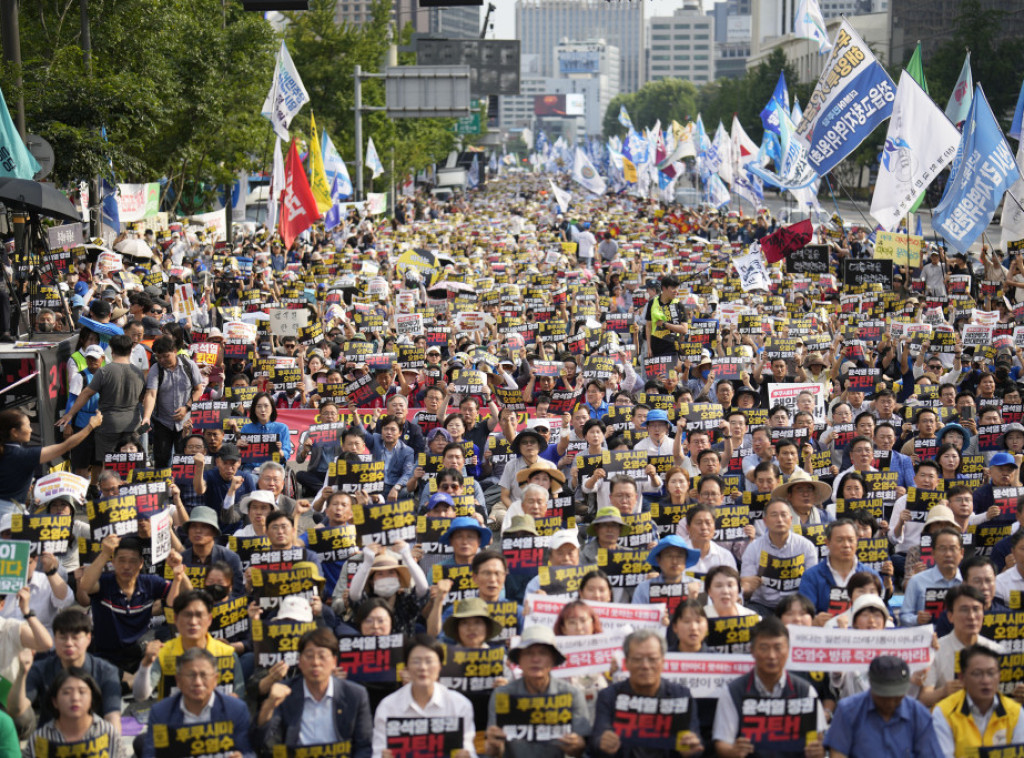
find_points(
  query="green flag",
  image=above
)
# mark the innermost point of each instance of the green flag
(15, 159)
(916, 70)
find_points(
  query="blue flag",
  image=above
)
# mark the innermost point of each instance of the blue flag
(769, 116)
(919, 230)
(335, 213)
(111, 215)
(976, 186)
(335, 169)
(624, 118)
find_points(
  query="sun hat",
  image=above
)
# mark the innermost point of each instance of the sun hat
(536, 635)
(469, 608)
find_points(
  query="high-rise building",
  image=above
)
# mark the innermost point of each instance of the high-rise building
(681, 45)
(932, 22)
(542, 24)
(453, 23)
(732, 38)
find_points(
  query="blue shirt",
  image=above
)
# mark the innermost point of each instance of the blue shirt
(913, 598)
(274, 427)
(859, 731)
(120, 621)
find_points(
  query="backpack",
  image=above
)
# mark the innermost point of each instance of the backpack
(188, 370)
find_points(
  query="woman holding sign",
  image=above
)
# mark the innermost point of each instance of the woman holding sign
(76, 698)
(424, 717)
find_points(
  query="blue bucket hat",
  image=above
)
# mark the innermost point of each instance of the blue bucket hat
(466, 522)
(673, 540)
(941, 434)
(657, 415)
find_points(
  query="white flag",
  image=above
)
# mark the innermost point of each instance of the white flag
(561, 197)
(809, 24)
(373, 160)
(963, 92)
(685, 147)
(286, 96)
(718, 194)
(335, 168)
(276, 185)
(583, 171)
(1013, 216)
(750, 267)
(723, 144)
(920, 143)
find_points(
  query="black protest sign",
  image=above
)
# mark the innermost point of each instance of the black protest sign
(813, 259)
(468, 670)
(651, 723)
(278, 640)
(385, 523)
(428, 737)
(113, 515)
(625, 568)
(100, 746)
(48, 534)
(204, 740)
(534, 718)
(779, 725)
(259, 448)
(334, 544)
(271, 586)
(371, 659)
(123, 463)
(567, 578)
(861, 271)
(246, 547)
(730, 634)
(350, 478)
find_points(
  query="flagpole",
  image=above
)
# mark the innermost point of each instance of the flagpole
(263, 165)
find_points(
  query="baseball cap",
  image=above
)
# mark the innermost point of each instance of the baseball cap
(93, 351)
(563, 537)
(229, 452)
(296, 609)
(1002, 459)
(889, 676)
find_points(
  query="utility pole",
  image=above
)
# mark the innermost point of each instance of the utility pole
(359, 130)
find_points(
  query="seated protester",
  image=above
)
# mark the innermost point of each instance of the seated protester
(825, 584)
(722, 587)
(882, 720)
(948, 551)
(977, 715)
(1003, 548)
(903, 530)
(1010, 583)
(927, 422)
(534, 504)
(397, 405)
(787, 456)
(762, 585)
(594, 399)
(645, 656)
(203, 530)
(861, 583)
(885, 441)
(200, 701)
(218, 583)
(979, 573)
(688, 445)
(658, 440)
(452, 482)
(862, 460)
(440, 506)
(435, 408)
(1002, 472)
(552, 480)
(677, 489)
(424, 697)
(399, 458)
(316, 707)
(50, 593)
(966, 607)
(337, 512)
(64, 505)
(397, 580)
(870, 612)
(605, 531)
(272, 478)
(563, 550)
(467, 537)
(763, 451)
(224, 486)
(687, 632)
(527, 447)
(122, 600)
(797, 610)
(622, 493)
(805, 495)
(453, 458)
(536, 653)
(320, 454)
(192, 616)
(699, 530)
(489, 571)
(72, 634)
(283, 531)
(263, 420)
(841, 414)
(769, 680)
(958, 436)
(194, 446)
(671, 557)
(455, 425)
(75, 699)
(255, 507)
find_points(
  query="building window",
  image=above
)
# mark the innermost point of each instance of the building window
(700, 36)
(661, 37)
(700, 57)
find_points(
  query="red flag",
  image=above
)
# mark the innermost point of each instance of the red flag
(786, 240)
(298, 206)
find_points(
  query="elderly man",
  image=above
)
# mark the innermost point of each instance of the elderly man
(644, 692)
(883, 721)
(536, 654)
(977, 714)
(199, 702)
(948, 550)
(203, 531)
(776, 554)
(738, 732)
(317, 707)
(272, 476)
(825, 584)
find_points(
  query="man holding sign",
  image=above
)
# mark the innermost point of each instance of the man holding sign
(644, 714)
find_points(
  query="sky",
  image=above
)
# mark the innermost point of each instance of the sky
(504, 18)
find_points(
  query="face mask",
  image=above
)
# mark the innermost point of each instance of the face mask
(705, 374)
(218, 592)
(386, 587)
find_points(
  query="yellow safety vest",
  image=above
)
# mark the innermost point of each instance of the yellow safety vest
(660, 314)
(168, 658)
(965, 732)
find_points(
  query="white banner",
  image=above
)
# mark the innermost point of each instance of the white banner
(787, 394)
(585, 655)
(814, 648)
(751, 270)
(704, 673)
(160, 529)
(137, 201)
(620, 618)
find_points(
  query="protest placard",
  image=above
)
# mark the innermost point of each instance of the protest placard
(371, 659)
(385, 523)
(814, 648)
(615, 617)
(278, 640)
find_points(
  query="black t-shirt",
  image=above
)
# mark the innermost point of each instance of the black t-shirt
(17, 465)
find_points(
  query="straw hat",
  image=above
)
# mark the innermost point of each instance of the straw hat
(388, 562)
(822, 491)
(468, 608)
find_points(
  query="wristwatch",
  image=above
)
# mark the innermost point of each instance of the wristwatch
(51, 572)
(29, 615)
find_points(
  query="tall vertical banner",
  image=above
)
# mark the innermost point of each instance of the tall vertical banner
(317, 176)
(287, 94)
(984, 170)
(853, 95)
(298, 206)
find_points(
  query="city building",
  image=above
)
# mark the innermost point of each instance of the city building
(451, 22)
(732, 38)
(680, 45)
(773, 19)
(542, 24)
(932, 22)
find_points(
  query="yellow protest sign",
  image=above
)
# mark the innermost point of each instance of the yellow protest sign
(901, 249)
